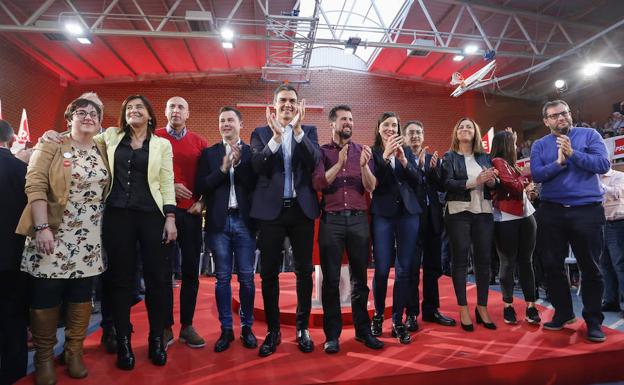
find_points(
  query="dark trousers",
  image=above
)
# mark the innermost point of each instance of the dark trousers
(581, 227)
(293, 223)
(13, 321)
(189, 240)
(122, 230)
(337, 232)
(515, 242)
(389, 232)
(466, 229)
(612, 262)
(429, 250)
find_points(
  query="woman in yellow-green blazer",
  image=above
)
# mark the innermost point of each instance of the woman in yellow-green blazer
(139, 222)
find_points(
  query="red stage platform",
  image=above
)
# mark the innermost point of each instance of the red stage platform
(520, 354)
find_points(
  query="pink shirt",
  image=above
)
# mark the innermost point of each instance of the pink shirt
(613, 201)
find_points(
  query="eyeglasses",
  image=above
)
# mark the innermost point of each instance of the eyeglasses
(83, 114)
(555, 116)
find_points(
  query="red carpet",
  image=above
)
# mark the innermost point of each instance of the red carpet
(520, 354)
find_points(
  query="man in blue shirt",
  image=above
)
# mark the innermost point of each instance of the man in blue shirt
(568, 162)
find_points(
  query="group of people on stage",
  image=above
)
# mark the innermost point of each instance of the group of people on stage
(98, 201)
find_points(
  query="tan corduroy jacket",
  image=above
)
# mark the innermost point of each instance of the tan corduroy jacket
(49, 179)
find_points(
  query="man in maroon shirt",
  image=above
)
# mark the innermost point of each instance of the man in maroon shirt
(187, 147)
(344, 176)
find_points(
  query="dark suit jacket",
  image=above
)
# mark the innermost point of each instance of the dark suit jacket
(214, 185)
(12, 203)
(396, 188)
(267, 197)
(429, 191)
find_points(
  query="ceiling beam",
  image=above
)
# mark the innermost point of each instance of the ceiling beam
(40, 11)
(9, 13)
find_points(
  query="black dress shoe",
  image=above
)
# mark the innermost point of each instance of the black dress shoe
(304, 341)
(270, 343)
(331, 346)
(376, 324)
(558, 323)
(488, 325)
(595, 333)
(226, 337)
(125, 356)
(156, 351)
(369, 341)
(400, 332)
(411, 324)
(438, 318)
(109, 339)
(248, 338)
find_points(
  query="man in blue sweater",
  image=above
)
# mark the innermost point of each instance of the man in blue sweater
(568, 162)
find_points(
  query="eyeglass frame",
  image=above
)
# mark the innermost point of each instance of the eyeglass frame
(556, 115)
(93, 115)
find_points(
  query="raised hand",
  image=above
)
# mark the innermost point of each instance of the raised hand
(274, 125)
(365, 156)
(563, 142)
(226, 163)
(342, 155)
(52, 136)
(296, 122)
(422, 156)
(400, 155)
(433, 163)
(235, 154)
(391, 146)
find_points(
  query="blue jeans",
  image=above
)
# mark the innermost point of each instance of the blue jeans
(236, 241)
(404, 230)
(612, 261)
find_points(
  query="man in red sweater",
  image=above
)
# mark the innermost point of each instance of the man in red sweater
(187, 147)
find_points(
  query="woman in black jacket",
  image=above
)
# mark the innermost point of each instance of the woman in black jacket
(468, 175)
(396, 217)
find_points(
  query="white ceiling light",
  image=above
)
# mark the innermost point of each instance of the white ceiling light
(227, 33)
(470, 49)
(73, 28)
(227, 44)
(591, 69)
(458, 57)
(84, 40)
(560, 83)
(610, 65)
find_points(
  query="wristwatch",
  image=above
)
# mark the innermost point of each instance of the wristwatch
(41, 227)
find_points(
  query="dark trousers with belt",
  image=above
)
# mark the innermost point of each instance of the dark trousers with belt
(581, 227)
(122, 229)
(13, 320)
(337, 232)
(430, 248)
(291, 223)
(189, 240)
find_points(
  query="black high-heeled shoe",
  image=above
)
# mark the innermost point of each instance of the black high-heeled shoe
(488, 325)
(467, 327)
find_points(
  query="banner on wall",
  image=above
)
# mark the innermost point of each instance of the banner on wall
(615, 147)
(486, 140)
(23, 135)
(524, 162)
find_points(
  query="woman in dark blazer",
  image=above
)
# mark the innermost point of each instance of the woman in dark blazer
(468, 175)
(395, 219)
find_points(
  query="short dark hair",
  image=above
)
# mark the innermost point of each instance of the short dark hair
(553, 103)
(80, 102)
(284, 87)
(123, 124)
(234, 110)
(6, 131)
(416, 122)
(333, 114)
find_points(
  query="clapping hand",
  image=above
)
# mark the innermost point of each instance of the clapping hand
(274, 125)
(365, 156)
(434, 160)
(296, 122)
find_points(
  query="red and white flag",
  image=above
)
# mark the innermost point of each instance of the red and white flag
(23, 135)
(486, 140)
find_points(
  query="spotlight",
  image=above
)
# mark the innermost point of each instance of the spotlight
(560, 83)
(610, 65)
(352, 44)
(458, 57)
(73, 28)
(470, 49)
(591, 69)
(227, 33)
(227, 44)
(84, 40)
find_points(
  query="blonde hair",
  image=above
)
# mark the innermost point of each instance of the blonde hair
(92, 96)
(477, 146)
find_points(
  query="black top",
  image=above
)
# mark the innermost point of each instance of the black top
(454, 176)
(130, 188)
(12, 180)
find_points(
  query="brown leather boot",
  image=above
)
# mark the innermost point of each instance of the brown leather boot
(43, 327)
(76, 323)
